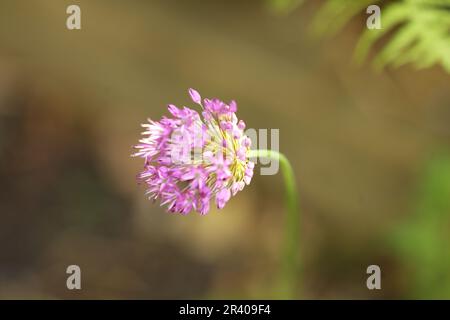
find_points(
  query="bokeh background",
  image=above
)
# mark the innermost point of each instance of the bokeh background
(370, 151)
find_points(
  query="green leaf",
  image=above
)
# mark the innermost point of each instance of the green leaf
(422, 242)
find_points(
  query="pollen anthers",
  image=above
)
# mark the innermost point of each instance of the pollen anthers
(191, 159)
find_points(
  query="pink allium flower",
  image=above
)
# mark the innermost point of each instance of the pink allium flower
(192, 159)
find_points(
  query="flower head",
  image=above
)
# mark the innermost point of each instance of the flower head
(192, 159)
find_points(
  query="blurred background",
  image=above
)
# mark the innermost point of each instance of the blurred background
(370, 147)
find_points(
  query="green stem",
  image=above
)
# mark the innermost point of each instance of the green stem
(289, 273)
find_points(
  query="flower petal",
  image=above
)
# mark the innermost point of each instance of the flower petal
(195, 96)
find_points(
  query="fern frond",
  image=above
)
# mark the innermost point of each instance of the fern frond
(422, 36)
(420, 29)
